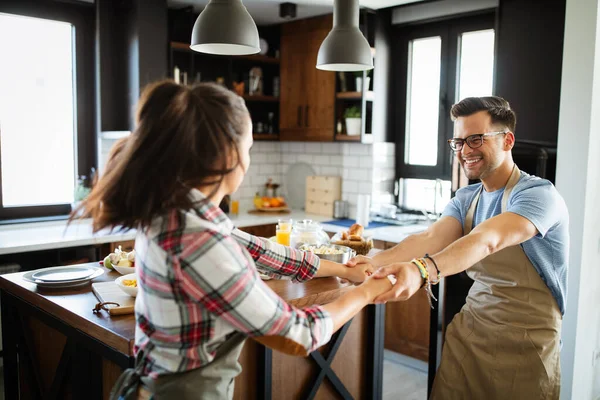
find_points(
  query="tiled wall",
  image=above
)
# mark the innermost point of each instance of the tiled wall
(364, 168)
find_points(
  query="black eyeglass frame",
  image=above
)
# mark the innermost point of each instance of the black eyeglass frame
(470, 138)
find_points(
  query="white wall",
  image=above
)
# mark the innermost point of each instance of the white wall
(578, 180)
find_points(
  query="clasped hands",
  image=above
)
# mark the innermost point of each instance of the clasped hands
(408, 277)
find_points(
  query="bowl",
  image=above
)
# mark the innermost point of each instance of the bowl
(124, 270)
(342, 258)
(130, 290)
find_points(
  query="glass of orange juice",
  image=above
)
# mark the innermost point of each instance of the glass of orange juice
(283, 235)
(285, 224)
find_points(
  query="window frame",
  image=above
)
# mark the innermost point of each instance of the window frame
(82, 17)
(449, 31)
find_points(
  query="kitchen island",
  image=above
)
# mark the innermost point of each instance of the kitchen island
(56, 347)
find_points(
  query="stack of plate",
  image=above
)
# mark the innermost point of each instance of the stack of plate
(63, 277)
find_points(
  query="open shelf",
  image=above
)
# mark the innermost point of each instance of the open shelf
(346, 138)
(259, 58)
(355, 95)
(249, 97)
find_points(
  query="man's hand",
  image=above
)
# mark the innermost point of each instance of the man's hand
(409, 281)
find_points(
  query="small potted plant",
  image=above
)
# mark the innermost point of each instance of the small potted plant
(353, 120)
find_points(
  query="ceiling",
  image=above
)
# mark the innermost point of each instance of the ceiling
(266, 12)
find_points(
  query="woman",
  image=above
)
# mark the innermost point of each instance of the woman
(200, 294)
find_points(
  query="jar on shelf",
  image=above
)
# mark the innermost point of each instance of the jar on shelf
(308, 232)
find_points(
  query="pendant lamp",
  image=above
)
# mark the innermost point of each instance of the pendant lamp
(225, 27)
(345, 48)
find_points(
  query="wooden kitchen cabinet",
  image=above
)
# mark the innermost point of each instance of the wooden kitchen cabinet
(265, 231)
(307, 94)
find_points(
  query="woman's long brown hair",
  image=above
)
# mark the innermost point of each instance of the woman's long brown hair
(184, 139)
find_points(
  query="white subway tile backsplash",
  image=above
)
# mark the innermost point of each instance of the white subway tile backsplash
(307, 158)
(365, 162)
(313, 148)
(297, 147)
(321, 160)
(365, 187)
(349, 186)
(268, 169)
(285, 147)
(331, 171)
(258, 158)
(274, 158)
(335, 160)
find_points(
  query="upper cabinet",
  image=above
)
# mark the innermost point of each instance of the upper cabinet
(307, 94)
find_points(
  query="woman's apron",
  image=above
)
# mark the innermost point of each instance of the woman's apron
(504, 344)
(214, 381)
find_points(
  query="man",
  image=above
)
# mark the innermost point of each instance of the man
(510, 234)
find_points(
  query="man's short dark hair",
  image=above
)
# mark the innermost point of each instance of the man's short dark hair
(496, 107)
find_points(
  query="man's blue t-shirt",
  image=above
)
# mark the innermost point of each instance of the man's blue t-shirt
(537, 200)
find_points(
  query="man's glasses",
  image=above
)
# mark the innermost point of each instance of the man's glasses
(473, 141)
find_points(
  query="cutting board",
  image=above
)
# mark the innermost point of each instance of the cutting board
(109, 291)
(274, 211)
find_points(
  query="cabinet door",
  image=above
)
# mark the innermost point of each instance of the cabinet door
(320, 92)
(308, 94)
(293, 50)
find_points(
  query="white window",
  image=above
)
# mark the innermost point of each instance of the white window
(37, 112)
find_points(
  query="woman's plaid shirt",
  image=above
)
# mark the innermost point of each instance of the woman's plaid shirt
(198, 283)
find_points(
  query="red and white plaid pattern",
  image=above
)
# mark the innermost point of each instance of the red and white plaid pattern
(198, 283)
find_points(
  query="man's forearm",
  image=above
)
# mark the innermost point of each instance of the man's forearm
(461, 254)
(413, 246)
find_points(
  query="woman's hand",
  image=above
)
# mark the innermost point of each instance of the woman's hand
(358, 273)
(362, 261)
(409, 281)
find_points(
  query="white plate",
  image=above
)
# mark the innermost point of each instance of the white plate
(62, 274)
(296, 192)
(60, 284)
(132, 291)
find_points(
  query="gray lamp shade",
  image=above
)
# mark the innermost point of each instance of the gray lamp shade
(225, 27)
(345, 48)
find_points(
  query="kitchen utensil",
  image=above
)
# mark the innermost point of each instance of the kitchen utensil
(347, 253)
(295, 183)
(340, 209)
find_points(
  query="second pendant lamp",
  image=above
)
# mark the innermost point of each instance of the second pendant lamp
(225, 27)
(345, 48)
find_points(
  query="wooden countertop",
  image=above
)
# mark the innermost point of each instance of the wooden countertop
(74, 306)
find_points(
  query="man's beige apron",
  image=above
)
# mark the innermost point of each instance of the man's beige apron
(504, 344)
(214, 381)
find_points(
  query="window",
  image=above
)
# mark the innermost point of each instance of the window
(37, 112)
(438, 64)
(46, 107)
